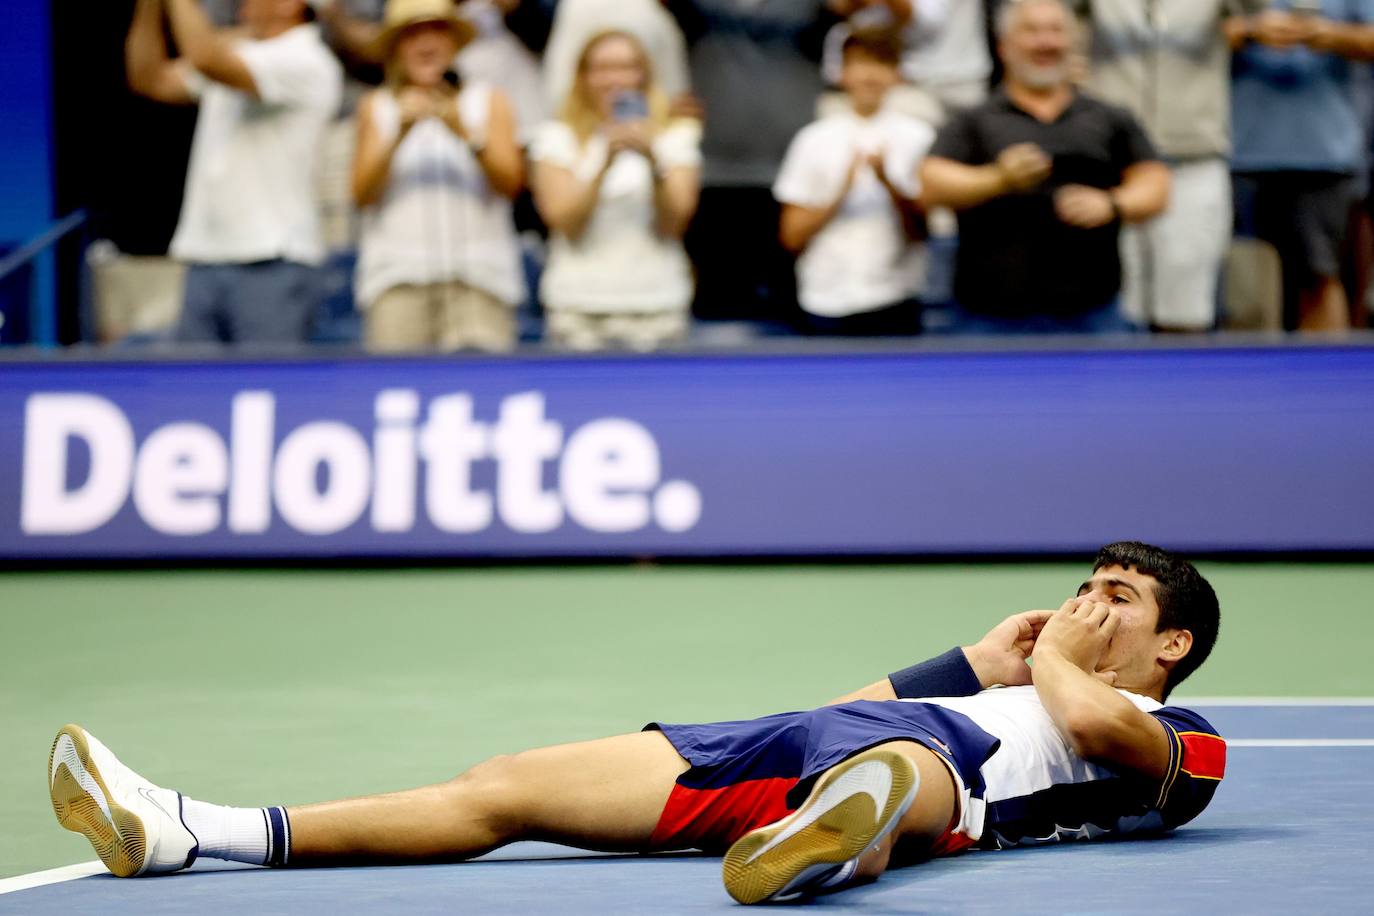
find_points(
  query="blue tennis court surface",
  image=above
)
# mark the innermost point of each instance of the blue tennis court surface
(1291, 830)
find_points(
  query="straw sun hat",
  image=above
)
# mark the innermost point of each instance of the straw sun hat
(402, 14)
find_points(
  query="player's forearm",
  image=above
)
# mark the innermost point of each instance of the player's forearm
(1099, 723)
(949, 675)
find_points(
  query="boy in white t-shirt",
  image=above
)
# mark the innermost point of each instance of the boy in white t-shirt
(850, 200)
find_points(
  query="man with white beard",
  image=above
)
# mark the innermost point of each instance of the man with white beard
(1042, 177)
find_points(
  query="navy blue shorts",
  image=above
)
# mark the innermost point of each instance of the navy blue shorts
(751, 773)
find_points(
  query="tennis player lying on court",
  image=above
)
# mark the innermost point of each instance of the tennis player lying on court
(927, 762)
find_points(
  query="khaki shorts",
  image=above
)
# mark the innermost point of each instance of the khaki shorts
(641, 331)
(438, 316)
(137, 295)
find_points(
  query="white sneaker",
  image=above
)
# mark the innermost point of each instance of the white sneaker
(852, 807)
(135, 826)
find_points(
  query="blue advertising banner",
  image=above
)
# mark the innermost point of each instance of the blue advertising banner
(912, 452)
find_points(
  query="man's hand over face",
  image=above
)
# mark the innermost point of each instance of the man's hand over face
(1000, 656)
(1080, 632)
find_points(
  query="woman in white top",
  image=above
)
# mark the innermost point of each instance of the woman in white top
(434, 174)
(617, 180)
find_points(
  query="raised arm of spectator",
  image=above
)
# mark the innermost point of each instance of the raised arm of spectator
(208, 50)
(149, 70)
(1351, 40)
(353, 36)
(1143, 193)
(800, 224)
(498, 153)
(911, 211)
(373, 154)
(1282, 29)
(948, 182)
(566, 202)
(1256, 21)
(677, 189)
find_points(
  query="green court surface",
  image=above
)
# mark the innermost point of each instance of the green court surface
(288, 686)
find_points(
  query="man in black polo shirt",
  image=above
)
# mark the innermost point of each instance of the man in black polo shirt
(1042, 177)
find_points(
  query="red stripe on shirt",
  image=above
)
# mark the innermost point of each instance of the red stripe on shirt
(1203, 755)
(712, 819)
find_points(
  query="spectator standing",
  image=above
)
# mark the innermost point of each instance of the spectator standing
(1042, 176)
(755, 65)
(435, 171)
(850, 202)
(250, 226)
(1169, 63)
(616, 179)
(1299, 143)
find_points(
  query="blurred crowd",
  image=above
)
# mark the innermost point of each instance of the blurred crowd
(633, 173)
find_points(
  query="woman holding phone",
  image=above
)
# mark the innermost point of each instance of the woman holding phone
(436, 167)
(616, 179)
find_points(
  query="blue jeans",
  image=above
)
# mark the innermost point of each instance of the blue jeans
(1105, 320)
(264, 302)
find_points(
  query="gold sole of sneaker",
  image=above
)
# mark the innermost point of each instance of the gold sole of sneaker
(838, 835)
(74, 783)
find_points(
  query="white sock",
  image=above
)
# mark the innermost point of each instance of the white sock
(258, 836)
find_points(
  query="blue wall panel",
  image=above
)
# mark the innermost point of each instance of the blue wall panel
(866, 453)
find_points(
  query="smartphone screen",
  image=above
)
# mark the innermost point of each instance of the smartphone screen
(630, 106)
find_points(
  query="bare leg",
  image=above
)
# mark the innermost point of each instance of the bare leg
(924, 822)
(1324, 308)
(604, 795)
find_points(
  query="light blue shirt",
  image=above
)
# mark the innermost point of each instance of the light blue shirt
(1294, 109)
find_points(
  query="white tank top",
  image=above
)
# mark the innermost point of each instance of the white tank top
(439, 219)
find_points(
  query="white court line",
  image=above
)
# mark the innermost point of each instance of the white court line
(1272, 701)
(1300, 742)
(51, 876)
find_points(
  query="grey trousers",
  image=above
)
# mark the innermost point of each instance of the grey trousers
(263, 302)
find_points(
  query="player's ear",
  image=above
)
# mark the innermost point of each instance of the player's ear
(1174, 645)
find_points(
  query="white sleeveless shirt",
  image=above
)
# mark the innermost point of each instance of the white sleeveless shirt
(439, 218)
